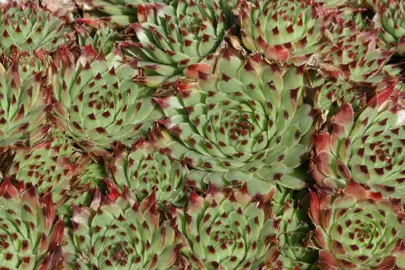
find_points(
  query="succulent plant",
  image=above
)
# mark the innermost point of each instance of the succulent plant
(357, 230)
(366, 149)
(356, 54)
(330, 94)
(244, 123)
(23, 101)
(226, 230)
(118, 233)
(30, 232)
(120, 12)
(29, 26)
(171, 37)
(87, 178)
(390, 20)
(290, 207)
(146, 169)
(49, 165)
(97, 103)
(284, 31)
(99, 33)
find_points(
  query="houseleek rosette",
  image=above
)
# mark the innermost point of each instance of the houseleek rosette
(29, 27)
(226, 230)
(243, 123)
(355, 53)
(330, 94)
(97, 32)
(97, 103)
(367, 149)
(30, 235)
(357, 230)
(390, 19)
(171, 37)
(286, 30)
(146, 169)
(23, 101)
(118, 233)
(120, 12)
(49, 165)
(291, 208)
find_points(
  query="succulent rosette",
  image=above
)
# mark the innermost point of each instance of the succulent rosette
(284, 31)
(290, 207)
(30, 233)
(49, 164)
(171, 37)
(120, 12)
(23, 100)
(97, 103)
(243, 123)
(99, 33)
(87, 178)
(356, 54)
(366, 148)
(118, 233)
(390, 20)
(224, 230)
(30, 27)
(146, 169)
(329, 94)
(357, 230)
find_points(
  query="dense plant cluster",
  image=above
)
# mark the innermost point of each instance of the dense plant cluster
(202, 134)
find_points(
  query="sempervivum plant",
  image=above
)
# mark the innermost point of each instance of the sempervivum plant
(120, 12)
(30, 27)
(118, 233)
(286, 30)
(390, 19)
(330, 94)
(356, 54)
(357, 230)
(87, 177)
(97, 103)
(171, 37)
(30, 234)
(244, 123)
(99, 33)
(146, 169)
(290, 207)
(366, 149)
(229, 231)
(47, 165)
(23, 100)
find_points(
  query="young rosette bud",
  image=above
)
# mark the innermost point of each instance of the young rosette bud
(97, 103)
(390, 19)
(243, 123)
(23, 100)
(119, 233)
(330, 94)
(99, 33)
(354, 52)
(367, 149)
(46, 165)
(227, 230)
(171, 37)
(146, 169)
(30, 234)
(286, 30)
(357, 230)
(30, 27)
(88, 176)
(119, 12)
(291, 208)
